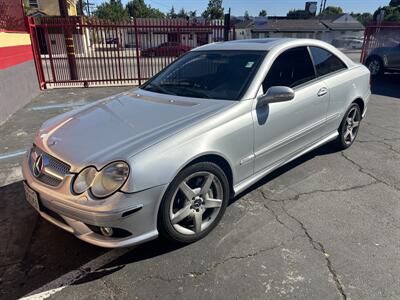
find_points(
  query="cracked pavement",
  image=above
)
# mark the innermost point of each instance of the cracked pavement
(326, 226)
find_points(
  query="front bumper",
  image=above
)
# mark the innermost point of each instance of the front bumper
(134, 213)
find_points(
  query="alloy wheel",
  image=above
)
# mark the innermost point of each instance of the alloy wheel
(351, 125)
(196, 203)
(374, 67)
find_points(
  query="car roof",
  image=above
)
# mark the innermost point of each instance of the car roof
(247, 44)
(273, 45)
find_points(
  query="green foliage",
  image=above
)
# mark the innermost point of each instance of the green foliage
(363, 18)
(182, 14)
(113, 11)
(263, 13)
(395, 3)
(392, 13)
(139, 9)
(172, 14)
(246, 16)
(214, 10)
(332, 10)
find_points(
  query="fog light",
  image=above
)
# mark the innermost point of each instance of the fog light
(106, 231)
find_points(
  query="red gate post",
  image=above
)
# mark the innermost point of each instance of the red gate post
(69, 42)
(137, 50)
(36, 53)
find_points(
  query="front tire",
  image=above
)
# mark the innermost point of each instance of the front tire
(348, 128)
(194, 203)
(375, 65)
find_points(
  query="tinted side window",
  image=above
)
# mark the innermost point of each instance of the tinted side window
(292, 68)
(325, 62)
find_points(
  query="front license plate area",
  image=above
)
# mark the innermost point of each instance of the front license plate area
(32, 197)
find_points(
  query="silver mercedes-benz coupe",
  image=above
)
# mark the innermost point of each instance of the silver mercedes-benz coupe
(166, 157)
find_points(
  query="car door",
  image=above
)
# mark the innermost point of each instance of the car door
(283, 129)
(394, 58)
(332, 70)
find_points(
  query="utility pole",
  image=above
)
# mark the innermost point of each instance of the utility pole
(69, 42)
(227, 25)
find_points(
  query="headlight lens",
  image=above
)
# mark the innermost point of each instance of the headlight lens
(84, 180)
(110, 179)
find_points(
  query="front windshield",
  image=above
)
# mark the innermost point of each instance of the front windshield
(219, 74)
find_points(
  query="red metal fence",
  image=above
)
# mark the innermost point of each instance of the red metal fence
(386, 34)
(75, 51)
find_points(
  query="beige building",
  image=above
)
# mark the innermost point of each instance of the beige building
(50, 7)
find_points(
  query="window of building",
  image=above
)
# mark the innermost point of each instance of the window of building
(325, 62)
(33, 3)
(292, 68)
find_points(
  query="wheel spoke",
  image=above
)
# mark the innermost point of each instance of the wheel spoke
(356, 124)
(181, 214)
(212, 203)
(351, 135)
(346, 134)
(207, 184)
(198, 219)
(189, 193)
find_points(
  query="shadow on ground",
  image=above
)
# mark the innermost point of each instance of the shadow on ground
(386, 85)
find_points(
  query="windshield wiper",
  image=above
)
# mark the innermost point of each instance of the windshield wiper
(185, 85)
(158, 88)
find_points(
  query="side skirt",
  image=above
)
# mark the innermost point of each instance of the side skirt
(241, 186)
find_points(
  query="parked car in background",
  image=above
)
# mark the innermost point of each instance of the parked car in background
(348, 42)
(169, 49)
(383, 59)
(166, 158)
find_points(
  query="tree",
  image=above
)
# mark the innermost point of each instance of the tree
(182, 14)
(246, 16)
(139, 9)
(332, 10)
(394, 3)
(112, 11)
(391, 13)
(363, 18)
(192, 13)
(263, 13)
(172, 14)
(214, 10)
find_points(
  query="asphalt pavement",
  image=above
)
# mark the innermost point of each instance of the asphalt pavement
(326, 226)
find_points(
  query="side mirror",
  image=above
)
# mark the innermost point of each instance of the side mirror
(276, 94)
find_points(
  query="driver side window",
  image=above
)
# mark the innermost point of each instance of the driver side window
(291, 68)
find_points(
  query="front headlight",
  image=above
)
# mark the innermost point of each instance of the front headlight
(84, 180)
(110, 179)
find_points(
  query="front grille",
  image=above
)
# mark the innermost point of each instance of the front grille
(54, 170)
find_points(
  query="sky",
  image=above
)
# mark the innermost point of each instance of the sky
(273, 7)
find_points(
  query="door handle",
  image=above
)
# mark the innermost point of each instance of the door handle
(322, 91)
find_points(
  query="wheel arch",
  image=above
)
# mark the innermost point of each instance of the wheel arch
(219, 160)
(361, 103)
(374, 55)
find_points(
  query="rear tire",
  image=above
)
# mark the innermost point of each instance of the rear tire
(348, 128)
(194, 203)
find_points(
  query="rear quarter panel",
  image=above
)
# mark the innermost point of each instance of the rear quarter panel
(345, 87)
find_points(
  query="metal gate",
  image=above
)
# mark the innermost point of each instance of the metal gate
(75, 51)
(385, 34)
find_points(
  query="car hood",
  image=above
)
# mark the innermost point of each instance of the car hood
(120, 126)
